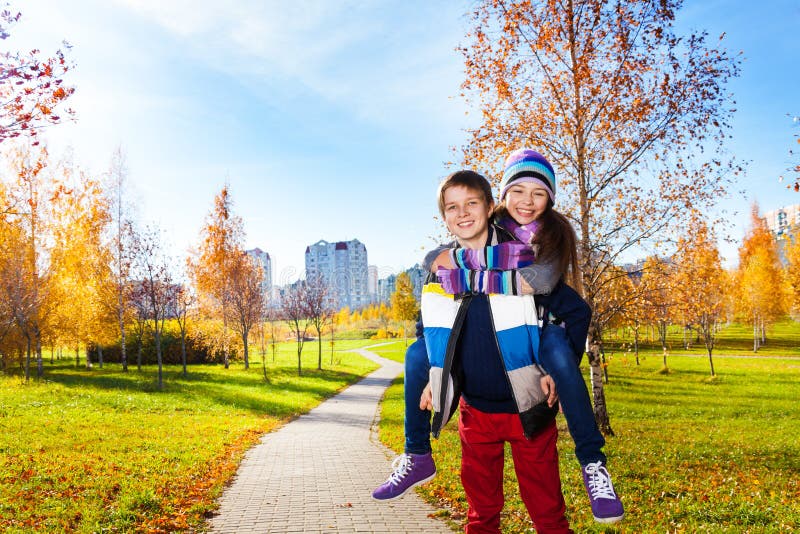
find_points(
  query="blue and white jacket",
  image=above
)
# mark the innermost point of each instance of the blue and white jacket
(515, 323)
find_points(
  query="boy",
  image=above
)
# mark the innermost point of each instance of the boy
(481, 350)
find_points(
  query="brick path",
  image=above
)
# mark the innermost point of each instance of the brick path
(317, 473)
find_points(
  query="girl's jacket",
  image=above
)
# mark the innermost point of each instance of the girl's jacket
(515, 324)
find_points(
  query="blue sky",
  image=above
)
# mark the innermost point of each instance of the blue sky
(334, 119)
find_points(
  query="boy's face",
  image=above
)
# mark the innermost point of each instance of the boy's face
(466, 214)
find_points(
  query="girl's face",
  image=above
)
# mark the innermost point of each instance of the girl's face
(526, 201)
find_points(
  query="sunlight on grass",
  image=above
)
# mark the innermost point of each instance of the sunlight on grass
(689, 455)
(86, 451)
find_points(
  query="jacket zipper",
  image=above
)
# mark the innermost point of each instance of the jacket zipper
(449, 355)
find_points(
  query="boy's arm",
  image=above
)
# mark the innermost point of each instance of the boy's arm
(567, 305)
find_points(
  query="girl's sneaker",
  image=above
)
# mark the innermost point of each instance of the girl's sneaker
(606, 506)
(409, 470)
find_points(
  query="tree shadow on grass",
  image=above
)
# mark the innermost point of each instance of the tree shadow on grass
(283, 396)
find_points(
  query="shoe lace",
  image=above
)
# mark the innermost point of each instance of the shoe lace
(400, 467)
(600, 485)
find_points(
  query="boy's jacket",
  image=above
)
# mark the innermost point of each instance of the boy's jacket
(516, 326)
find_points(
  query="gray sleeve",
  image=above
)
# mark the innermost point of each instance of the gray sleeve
(542, 275)
(431, 256)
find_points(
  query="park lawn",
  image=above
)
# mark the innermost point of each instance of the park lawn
(690, 454)
(783, 339)
(102, 450)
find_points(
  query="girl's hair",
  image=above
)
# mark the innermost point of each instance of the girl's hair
(469, 179)
(556, 239)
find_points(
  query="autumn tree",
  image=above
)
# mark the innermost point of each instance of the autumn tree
(295, 313)
(81, 262)
(759, 279)
(210, 265)
(121, 238)
(184, 306)
(27, 279)
(701, 282)
(792, 270)
(153, 272)
(404, 304)
(319, 308)
(32, 88)
(245, 297)
(657, 286)
(632, 116)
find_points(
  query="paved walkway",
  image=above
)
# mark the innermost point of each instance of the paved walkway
(317, 473)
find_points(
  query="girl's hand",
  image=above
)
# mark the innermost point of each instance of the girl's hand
(443, 261)
(549, 389)
(426, 400)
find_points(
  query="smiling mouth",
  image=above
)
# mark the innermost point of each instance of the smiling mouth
(465, 224)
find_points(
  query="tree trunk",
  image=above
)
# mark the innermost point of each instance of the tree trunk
(225, 357)
(245, 335)
(299, 352)
(123, 349)
(596, 376)
(636, 343)
(77, 355)
(319, 349)
(183, 350)
(332, 343)
(39, 362)
(755, 334)
(158, 356)
(711, 361)
(28, 359)
(88, 357)
(139, 354)
(100, 355)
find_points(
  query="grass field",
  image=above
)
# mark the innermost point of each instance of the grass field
(101, 450)
(690, 454)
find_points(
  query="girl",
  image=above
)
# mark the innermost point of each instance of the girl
(527, 195)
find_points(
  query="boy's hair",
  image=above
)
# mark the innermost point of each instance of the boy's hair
(469, 179)
(556, 239)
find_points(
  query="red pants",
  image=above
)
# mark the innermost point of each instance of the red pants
(483, 437)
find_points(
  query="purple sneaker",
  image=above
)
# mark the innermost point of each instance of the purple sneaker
(409, 470)
(606, 506)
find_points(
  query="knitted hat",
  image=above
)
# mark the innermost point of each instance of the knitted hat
(526, 165)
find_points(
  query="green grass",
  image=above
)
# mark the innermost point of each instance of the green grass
(392, 349)
(690, 454)
(101, 450)
(783, 339)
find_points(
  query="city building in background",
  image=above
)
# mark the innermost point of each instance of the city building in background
(343, 265)
(266, 264)
(781, 223)
(386, 286)
(372, 283)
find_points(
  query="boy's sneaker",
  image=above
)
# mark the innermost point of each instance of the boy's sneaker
(409, 470)
(606, 506)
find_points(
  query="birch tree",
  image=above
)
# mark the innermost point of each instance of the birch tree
(319, 309)
(211, 263)
(759, 279)
(404, 305)
(245, 298)
(632, 115)
(702, 283)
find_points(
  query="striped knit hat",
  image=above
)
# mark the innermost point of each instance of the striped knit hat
(526, 165)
